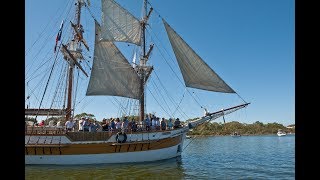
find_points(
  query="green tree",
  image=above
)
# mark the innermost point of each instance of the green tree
(256, 128)
(30, 119)
(90, 116)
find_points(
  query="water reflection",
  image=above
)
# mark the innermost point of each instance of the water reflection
(226, 157)
(165, 169)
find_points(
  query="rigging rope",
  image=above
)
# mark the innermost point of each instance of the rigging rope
(91, 13)
(202, 132)
(41, 33)
(31, 76)
(241, 98)
(168, 95)
(172, 68)
(46, 85)
(46, 41)
(59, 85)
(162, 97)
(179, 104)
(159, 103)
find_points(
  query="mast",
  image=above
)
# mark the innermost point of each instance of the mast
(144, 70)
(70, 81)
(71, 54)
(143, 62)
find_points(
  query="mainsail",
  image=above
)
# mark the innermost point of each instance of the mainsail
(196, 73)
(111, 73)
(118, 24)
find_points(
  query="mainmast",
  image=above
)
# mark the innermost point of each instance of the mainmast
(72, 53)
(144, 70)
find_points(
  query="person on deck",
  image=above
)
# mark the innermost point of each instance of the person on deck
(94, 127)
(86, 125)
(133, 125)
(59, 124)
(81, 122)
(105, 125)
(157, 123)
(69, 125)
(147, 123)
(125, 123)
(41, 124)
(118, 124)
(113, 124)
(153, 123)
(163, 124)
(170, 124)
(177, 123)
(51, 122)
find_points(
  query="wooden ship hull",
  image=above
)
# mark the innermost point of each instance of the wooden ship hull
(60, 147)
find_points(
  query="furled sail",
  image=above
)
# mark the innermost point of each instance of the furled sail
(196, 73)
(118, 24)
(111, 73)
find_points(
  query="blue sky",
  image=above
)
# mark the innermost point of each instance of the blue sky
(249, 43)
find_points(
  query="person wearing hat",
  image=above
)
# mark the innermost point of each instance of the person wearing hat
(177, 123)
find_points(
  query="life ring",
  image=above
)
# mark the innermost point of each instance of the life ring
(121, 137)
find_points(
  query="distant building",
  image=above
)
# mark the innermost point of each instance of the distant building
(291, 126)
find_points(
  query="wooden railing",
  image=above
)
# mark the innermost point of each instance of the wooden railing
(81, 135)
(89, 136)
(44, 131)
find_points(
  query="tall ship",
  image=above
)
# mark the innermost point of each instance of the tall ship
(135, 136)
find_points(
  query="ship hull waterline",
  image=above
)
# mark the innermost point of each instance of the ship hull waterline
(104, 153)
(109, 158)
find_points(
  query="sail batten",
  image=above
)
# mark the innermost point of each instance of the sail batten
(196, 73)
(118, 24)
(111, 73)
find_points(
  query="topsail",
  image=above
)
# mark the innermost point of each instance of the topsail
(118, 24)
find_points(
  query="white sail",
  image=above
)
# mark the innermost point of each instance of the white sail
(118, 24)
(111, 73)
(196, 73)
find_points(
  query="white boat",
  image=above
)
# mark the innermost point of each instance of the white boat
(111, 74)
(281, 132)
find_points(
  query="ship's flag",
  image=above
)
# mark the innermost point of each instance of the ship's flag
(58, 36)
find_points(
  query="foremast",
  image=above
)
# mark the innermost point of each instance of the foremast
(144, 71)
(73, 53)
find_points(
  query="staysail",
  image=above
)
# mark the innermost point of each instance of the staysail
(118, 24)
(196, 73)
(111, 73)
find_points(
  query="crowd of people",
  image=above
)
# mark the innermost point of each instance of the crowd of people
(150, 123)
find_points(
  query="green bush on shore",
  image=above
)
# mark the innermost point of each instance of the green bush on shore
(257, 128)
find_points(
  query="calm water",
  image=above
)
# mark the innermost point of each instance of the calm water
(245, 157)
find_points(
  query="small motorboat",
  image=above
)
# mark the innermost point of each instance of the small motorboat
(281, 133)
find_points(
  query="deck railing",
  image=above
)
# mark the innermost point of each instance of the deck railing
(85, 135)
